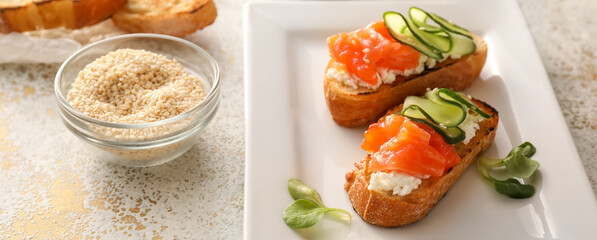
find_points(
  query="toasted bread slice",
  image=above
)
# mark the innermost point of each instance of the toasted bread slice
(352, 107)
(30, 15)
(387, 210)
(176, 18)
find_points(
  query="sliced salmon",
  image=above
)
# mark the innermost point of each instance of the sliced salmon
(399, 56)
(399, 144)
(366, 49)
(382, 131)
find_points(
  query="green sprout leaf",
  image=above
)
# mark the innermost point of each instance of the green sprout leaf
(303, 213)
(514, 189)
(299, 190)
(308, 208)
(528, 149)
(518, 164)
(341, 214)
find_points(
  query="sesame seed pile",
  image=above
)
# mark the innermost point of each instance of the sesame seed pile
(135, 86)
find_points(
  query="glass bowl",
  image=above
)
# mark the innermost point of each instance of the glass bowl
(141, 144)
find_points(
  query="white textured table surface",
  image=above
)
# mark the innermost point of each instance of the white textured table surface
(52, 187)
(564, 33)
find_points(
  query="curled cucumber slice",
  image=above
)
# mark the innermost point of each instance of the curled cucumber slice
(435, 41)
(443, 110)
(462, 42)
(455, 97)
(419, 18)
(452, 135)
(399, 28)
(436, 38)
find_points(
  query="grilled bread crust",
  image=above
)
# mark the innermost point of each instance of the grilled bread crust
(176, 18)
(352, 107)
(384, 209)
(30, 15)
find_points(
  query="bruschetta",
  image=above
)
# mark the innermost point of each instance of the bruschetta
(376, 67)
(30, 15)
(413, 161)
(172, 17)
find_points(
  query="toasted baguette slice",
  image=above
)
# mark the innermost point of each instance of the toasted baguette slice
(171, 17)
(387, 210)
(30, 15)
(359, 107)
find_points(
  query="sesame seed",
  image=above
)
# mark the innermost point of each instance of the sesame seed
(135, 86)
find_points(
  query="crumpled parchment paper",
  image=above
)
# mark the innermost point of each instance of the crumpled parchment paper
(51, 45)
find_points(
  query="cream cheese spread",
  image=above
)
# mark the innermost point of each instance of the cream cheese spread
(399, 183)
(385, 75)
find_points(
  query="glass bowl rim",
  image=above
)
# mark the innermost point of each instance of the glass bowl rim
(213, 92)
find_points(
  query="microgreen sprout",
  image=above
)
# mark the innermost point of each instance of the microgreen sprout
(518, 164)
(308, 209)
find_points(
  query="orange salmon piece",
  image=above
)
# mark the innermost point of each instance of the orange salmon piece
(411, 132)
(438, 142)
(379, 26)
(358, 50)
(412, 159)
(399, 144)
(382, 131)
(399, 56)
(366, 49)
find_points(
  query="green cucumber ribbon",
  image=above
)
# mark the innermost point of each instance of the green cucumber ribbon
(443, 110)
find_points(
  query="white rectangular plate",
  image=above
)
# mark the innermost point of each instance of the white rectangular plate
(290, 133)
